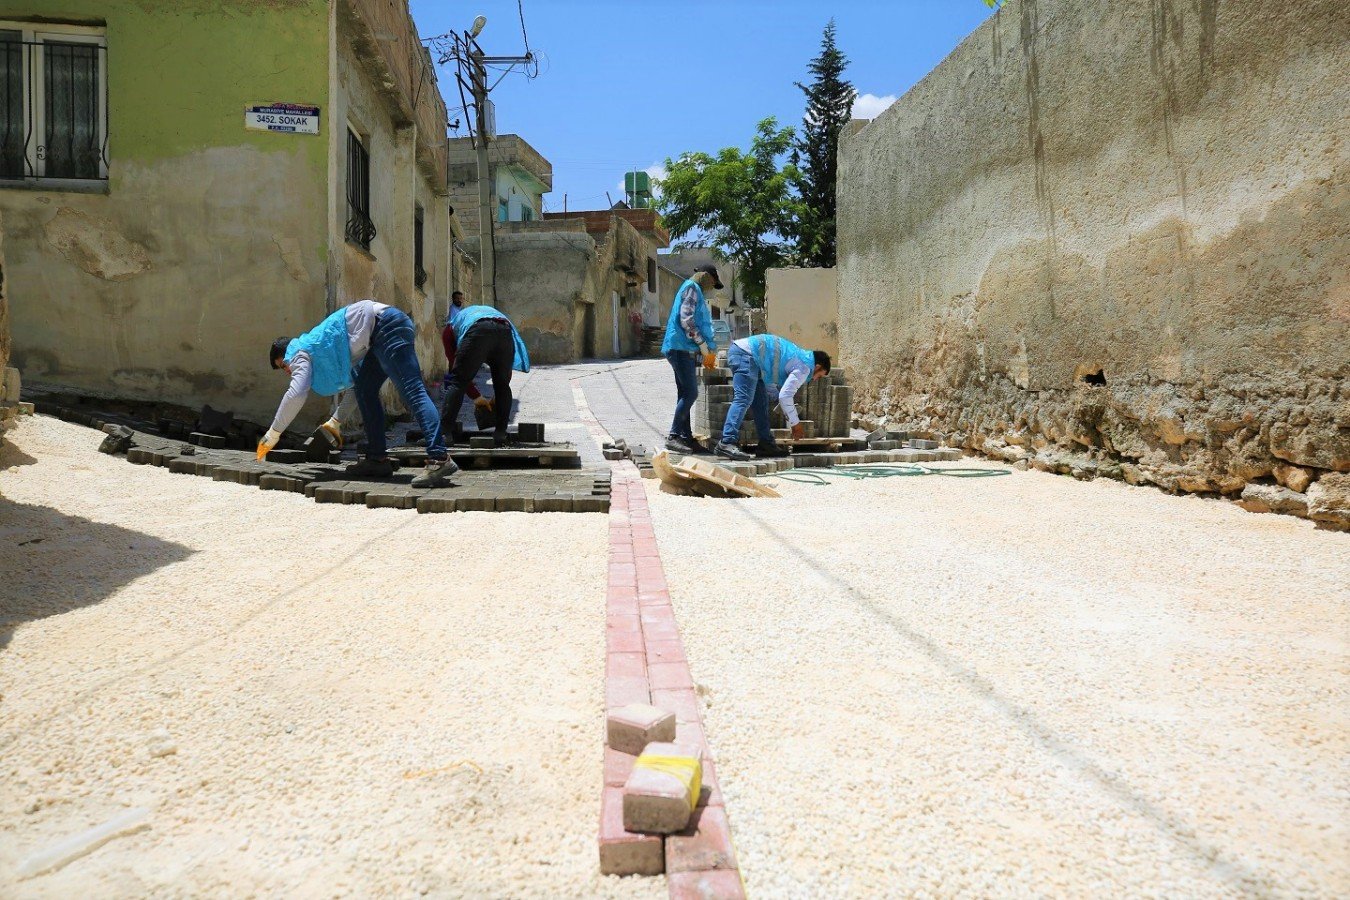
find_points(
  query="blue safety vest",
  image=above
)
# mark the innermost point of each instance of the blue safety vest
(773, 355)
(676, 339)
(463, 319)
(330, 354)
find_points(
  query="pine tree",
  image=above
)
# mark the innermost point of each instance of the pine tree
(829, 103)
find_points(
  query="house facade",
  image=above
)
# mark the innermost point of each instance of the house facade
(184, 180)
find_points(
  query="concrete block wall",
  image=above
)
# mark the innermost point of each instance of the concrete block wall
(1116, 232)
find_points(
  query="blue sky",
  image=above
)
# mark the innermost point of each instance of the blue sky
(626, 83)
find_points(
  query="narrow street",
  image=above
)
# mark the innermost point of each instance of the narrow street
(912, 686)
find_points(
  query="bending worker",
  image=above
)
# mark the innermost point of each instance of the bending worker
(360, 346)
(689, 338)
(475, 335)
(758, 362)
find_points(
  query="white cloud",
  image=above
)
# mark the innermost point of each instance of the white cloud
(869, 106)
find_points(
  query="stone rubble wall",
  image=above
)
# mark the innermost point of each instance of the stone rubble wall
(1113, 239)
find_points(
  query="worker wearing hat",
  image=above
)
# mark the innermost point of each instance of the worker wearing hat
(689, 340)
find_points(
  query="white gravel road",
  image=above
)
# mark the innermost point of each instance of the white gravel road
(1019, 686)
(312, 700)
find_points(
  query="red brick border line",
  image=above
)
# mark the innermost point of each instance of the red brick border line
(645, 663)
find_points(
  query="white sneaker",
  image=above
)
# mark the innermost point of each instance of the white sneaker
(437, 474)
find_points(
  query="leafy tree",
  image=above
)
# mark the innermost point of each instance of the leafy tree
(829, 104)
(740, 203)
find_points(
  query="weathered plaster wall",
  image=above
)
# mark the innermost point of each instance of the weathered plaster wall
(210, 240)
(802, 306)
(545, 284)
(1114, 238)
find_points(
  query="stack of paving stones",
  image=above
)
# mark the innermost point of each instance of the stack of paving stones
(825, 406)
(515, 478)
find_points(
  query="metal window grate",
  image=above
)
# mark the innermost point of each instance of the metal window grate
(360, 229)
(52, 109)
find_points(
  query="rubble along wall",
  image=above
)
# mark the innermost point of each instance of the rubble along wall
(1114, 238)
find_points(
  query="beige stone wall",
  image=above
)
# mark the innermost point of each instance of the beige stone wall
(802, 305)
(1114, 238)
(4, 301)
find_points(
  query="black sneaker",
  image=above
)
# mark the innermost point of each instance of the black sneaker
(698, 447)
(730, 451)
(678, 445)
(370, 468)
(771, 450)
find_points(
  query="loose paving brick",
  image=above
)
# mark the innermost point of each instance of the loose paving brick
(659, 801)
(623, 852)
(629, 729)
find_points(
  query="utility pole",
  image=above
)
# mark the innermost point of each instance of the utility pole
(487, 207)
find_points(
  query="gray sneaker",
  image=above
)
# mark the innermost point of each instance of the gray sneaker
(437, 474)
(730, 451)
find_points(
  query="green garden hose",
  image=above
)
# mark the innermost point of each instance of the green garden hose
(817, 476)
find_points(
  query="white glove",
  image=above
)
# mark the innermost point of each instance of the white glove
(268, 442)
(333, 428)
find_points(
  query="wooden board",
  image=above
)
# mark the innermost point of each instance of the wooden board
(725, 478)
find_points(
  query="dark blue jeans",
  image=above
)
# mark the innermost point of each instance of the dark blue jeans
(685, 365)
(391, 356)
(748, 392)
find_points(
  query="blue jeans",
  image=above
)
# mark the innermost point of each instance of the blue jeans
(685, 365)
(391, 356)
(749, 392)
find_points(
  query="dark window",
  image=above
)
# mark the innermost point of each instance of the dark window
(360, 230)
(419, 271)
(651, 275)
(72, 89)
(11, 105)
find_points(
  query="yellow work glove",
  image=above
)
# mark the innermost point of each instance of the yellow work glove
(709, 360)
(483, 403)
(798, 431)
(267, 443)
(333, 428)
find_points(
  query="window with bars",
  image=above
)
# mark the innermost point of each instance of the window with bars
(360, 229)
(53, 102)
(419, 271)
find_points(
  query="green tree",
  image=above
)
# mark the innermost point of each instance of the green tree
(829, 104)
(740, 203)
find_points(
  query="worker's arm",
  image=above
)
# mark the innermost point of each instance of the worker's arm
(448, 341)
(798, 375)
(689, 320)
(296, 394)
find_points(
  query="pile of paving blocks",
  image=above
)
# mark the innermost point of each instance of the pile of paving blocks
(539, 478)
(910, 450)
(825, 406)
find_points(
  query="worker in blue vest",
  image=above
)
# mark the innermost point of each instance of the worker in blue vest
(360, 346)
(760, 363)
(481, 335)
(689, 340)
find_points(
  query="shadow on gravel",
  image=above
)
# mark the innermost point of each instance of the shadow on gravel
(1235, 873)
(52, 563)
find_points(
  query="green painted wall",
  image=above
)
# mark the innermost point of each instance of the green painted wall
(180, 72)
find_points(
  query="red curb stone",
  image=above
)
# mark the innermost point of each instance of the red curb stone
(655, 613)
(665, 651)
(621, 690)
(704, 844)
(622, 623)
(623, 852)
(683, 703)
(667, 676)
(624, 642)
(691, 733)
(626, 665)
(662, 630)
(711, 795)
(618, 766)
(714, 884)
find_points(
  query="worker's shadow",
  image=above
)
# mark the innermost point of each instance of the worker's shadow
(52, 563)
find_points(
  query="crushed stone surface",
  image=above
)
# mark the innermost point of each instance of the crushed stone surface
(1019, 686)
(312, 700)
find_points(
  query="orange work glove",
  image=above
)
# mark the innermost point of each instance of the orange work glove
(798, 431)
(267, 443)
(333, 428)
(710, 360)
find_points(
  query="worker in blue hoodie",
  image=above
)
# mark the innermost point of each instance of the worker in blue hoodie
(475, 336)
(361, 346)
(689, 340)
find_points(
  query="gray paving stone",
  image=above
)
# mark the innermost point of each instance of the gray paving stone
(475, 501)
(553, 502)
(514, 504)
(390, 498)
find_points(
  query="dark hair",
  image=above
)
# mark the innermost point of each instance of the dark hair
(823, 360)
(457, 302)
(278, 351)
